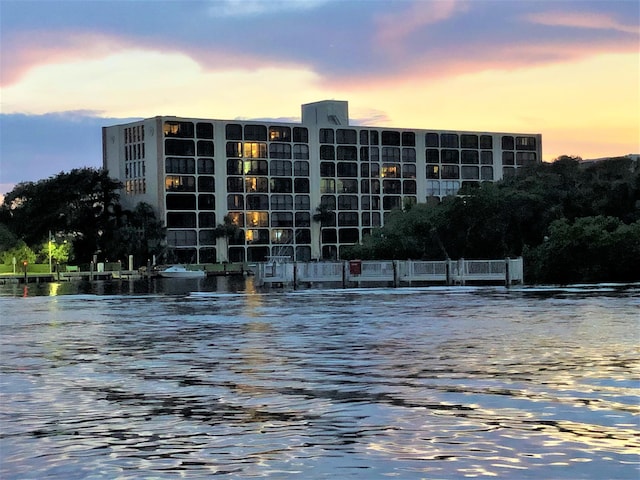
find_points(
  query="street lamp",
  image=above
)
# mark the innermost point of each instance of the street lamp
(50, 247)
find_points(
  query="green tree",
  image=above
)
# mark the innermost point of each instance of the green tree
(21, 252)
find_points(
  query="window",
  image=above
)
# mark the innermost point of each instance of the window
(255, 132)
(364, 154)
(364, 137)
(205, 165)
(235, 202)
(303, 202)
(206, 184)
(449, 140)
(279, 150)
(525, 158)
(255, 150)
(347, 169)
(207, 237)
(408, 139)
(280, 168)
(470, 173)
(364, 169)
(257, 202)
(281, 185)
(486, 173)
(365, 202)
(257, 219)
(184, 148)
(450, 156)
(177, 129)
(327, 152)
(525, 143)
(205, 148)
(409, 171)
(237, 218)
(281, 236)
(282, 219)
(348, 186)
(347, 202)
(206, 220)
(391, 187)
(390, 138)
(180, 202)
(507, 142)
(326, 135)
(180, 238)
(468, 141)
(177, 183)
(327, 185)
(390, 170)
(470, 156)
(255, 167)
(327, 169)
(181, 220)
(366, 219)
(281, 202)
(433, 188)
(235, 167)
(432, 140)
(486, 158)
(233, 131)
(301, 169)
(303, 235)
(328, 201)
(374, 154)
(390, 154)
(507, 158)
(347, 153)
(391, 203)
(373, 137)
(486, 141)
(348, 137)
(206, 202)
(280, 134)
(235, 184)
(409, 187)
(204, 130)
(303, 219)
(256, 184)
(450, 171)
(409, 155)
(449, 188)
(433, 156)
(234, 149)
(347, 219)
(301, 152)
(258, 237)
(300, 135)
(179, 165)
(301, 185)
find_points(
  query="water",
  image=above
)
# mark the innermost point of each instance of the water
(216, 378)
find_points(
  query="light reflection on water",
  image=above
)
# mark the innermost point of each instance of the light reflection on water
(194, 379)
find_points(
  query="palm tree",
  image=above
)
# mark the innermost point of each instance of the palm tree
(324, 215)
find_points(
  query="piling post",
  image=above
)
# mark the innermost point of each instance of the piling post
(507, 273)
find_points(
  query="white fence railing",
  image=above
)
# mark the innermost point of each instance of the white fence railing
(355, 272)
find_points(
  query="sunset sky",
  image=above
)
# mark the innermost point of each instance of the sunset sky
(569, 69)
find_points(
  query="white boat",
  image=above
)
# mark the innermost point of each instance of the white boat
(179, 271)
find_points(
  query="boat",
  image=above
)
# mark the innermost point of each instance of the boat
(179, 271)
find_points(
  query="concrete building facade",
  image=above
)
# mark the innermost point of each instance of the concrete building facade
(270, 178)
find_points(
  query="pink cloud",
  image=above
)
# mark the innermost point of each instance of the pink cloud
(590, 20)
(394, 28)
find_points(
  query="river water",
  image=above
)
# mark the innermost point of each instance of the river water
(195, 378)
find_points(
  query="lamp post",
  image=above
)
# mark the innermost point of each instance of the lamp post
(50, 246)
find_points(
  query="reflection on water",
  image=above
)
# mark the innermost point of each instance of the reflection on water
(166, 381)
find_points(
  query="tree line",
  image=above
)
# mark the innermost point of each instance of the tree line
(571, 221)
(76, 215)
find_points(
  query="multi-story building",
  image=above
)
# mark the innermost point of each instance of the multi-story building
(270, 178)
